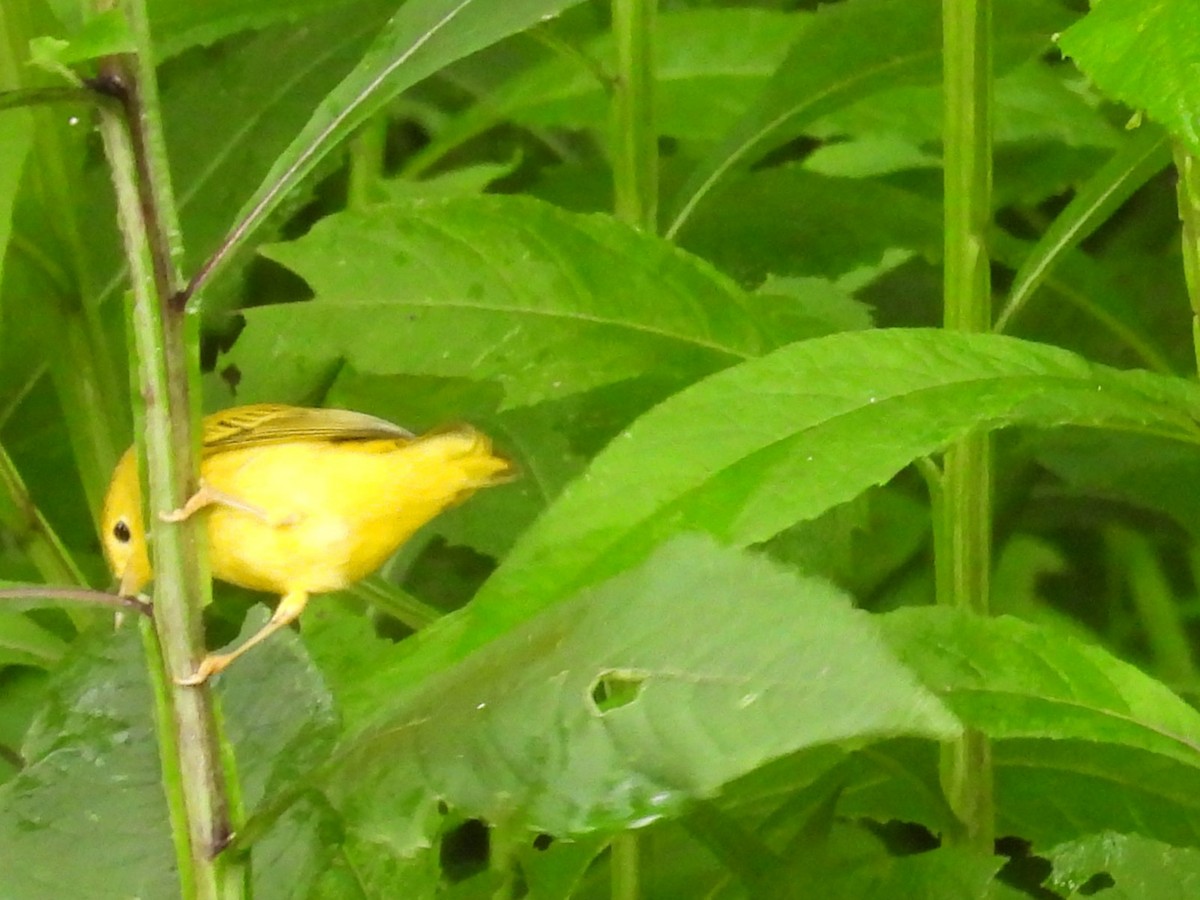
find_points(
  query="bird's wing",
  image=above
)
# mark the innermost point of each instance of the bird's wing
(273, 423)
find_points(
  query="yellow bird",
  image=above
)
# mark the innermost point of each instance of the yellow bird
(302, 501)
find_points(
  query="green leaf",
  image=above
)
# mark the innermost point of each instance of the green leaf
(1148, 473)
(1011, 679)
(421, 38)
(1141, 157)
(86, 817)
(1034, 103)
(24, 642)
(850, 51)
(787, 220)
(1125, 867)
(1112, 746)
(618, 706)
(831, 417)
(279, 717)
(16, 139)
(104, 34)
(228, 116)
(543, 302)
(709, 65)
(465, 182)
(279, 714)
(179, 24)
(1145, 55)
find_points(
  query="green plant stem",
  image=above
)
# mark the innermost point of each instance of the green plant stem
(625, 866)
(366, 162)
(635, 137)
(1189, 215)
(195, 769)
(964, 548)
(201, 824)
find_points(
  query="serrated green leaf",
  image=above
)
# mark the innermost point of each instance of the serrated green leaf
(616, 707)
(279, 717)
(545, 303)
(421, 38)
(87, 816)
(1145, 55)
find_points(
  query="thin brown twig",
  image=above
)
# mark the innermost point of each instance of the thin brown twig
(77, 595)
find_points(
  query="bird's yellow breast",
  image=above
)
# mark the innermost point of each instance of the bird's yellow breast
(334, 511)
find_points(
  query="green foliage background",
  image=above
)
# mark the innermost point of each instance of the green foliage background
(696, 643)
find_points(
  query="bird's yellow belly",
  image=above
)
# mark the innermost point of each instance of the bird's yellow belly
(328, 515)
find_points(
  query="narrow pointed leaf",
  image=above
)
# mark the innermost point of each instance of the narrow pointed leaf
(1143, 156)
(421, 38)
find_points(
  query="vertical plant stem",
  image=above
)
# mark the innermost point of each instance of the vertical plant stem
(1189, 215)
(366, 162)
(196, 770)
(635, 188)
(965, 536)
(635, 135)
(624, 864)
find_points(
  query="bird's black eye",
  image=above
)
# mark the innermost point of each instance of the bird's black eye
(121, 531)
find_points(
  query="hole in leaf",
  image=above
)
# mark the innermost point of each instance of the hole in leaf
(543, 842)
(1101, 881)
(615, 688)
(1024, 871)
(465, 850)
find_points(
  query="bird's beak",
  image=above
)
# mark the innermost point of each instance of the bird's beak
(129, 585)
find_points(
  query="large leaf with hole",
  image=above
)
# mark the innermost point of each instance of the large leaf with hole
(620, 705)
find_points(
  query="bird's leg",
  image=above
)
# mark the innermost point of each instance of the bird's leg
(208, 495)
(290, 606)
